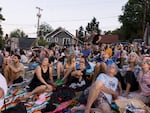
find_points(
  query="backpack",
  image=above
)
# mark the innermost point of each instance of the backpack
(61, 94)
(19, 108)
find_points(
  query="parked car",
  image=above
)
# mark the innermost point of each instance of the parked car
(34, 48)
(125, 43)
(138, 40)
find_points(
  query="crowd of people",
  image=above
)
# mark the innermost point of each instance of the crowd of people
(102, 72)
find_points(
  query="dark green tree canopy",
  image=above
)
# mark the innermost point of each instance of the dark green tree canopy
(1, 19)
(81, 33)
(18, 34)
(107, 32)
(93, 26)
(44, 29)
(136, 13)
(1, 31)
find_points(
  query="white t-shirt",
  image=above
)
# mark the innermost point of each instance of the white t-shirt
(109, 82)
(23, 59)
(3, 85)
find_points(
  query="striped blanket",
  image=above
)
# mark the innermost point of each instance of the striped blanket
(31, 104)
(13, 97)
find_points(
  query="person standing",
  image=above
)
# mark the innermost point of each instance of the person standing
(96, 38)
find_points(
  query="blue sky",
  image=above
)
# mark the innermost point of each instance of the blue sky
(69, 14)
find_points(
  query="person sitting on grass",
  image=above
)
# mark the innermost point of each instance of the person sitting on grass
(127, 76)
(14, 72)
(75, 75)
(42, 80)
(101, 93)
(144, 83)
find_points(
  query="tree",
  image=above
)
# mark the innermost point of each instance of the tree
(1, 32)
(81, 33)
(44, 29)
(42, 42)
(18, 34)
(136, 13)
(107, 32)
(1, 19)
(93, 26)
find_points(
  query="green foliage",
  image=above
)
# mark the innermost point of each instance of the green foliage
(42, 42)
(1, 32)
(93, 26)
(107, 32)
(44, 29)
(119, 31)
(132, 19)
(18, 34)
(1, 16)
(1, 42)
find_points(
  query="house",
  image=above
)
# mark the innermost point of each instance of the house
(23, 43)
(62, 37)
(109, 39)
(26, 43)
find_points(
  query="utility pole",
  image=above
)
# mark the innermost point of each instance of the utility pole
(39, 16)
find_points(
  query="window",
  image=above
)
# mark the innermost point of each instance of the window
(66, 41)
(56, 39)
(48, 40)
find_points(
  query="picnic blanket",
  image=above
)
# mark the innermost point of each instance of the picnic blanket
(35, 103)
(62, 107)
(124, 102)
(13, 97)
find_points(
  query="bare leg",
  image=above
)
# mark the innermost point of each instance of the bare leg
(77, 108)
(96, 71)
(39, 89)
(59, 69)
(120, 88)
(105, 107)
(127, 89)
(67, 73)
(82, 108)
(7, 73)
(94, 92)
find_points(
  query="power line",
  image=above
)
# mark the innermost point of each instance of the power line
(28, 25)
(62, 20)
(76, 20)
